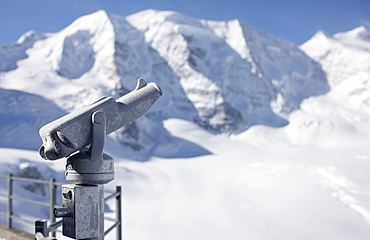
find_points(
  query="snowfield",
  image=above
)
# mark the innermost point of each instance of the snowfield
(298, 168)
(254, 185)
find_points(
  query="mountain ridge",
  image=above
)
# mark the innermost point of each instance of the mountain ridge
(225, 76)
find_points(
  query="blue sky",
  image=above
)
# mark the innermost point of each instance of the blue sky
(292, 20)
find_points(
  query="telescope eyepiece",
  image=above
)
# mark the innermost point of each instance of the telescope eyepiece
(49, 154)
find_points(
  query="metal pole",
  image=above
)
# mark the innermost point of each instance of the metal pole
(119, 213)
(10, 201)
(99, 218)
(52, 202)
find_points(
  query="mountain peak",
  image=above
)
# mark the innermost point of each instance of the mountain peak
(358, 38)
(322, 34)
(149, 18)
(317, 44)
(356, 32)
(164, 14)
(91, 21)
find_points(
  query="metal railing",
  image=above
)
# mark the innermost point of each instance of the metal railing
(41, 225)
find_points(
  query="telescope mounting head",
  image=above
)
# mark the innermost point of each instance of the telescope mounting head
(90, 165)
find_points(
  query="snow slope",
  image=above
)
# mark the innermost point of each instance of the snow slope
(299, 171)
(243, 190)
(21, 114)
(249, 190)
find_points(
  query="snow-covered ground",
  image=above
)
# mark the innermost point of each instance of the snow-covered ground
(250, 187)
(260, 184)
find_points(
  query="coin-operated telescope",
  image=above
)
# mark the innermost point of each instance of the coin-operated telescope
(80, 137)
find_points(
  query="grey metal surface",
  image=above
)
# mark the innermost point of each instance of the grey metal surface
(82, 209)
(72, 132)
(10, 200)
(92, 166)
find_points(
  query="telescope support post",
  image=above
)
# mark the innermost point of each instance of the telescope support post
(83, 201)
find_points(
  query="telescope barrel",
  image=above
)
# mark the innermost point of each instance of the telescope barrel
(73, 131)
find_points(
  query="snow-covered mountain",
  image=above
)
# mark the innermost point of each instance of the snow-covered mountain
(299, 171)
(345, 58)
(225, 76)
(343, 113)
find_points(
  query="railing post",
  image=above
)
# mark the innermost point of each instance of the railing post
(119, 213)
(52, 190)
(10, 200)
